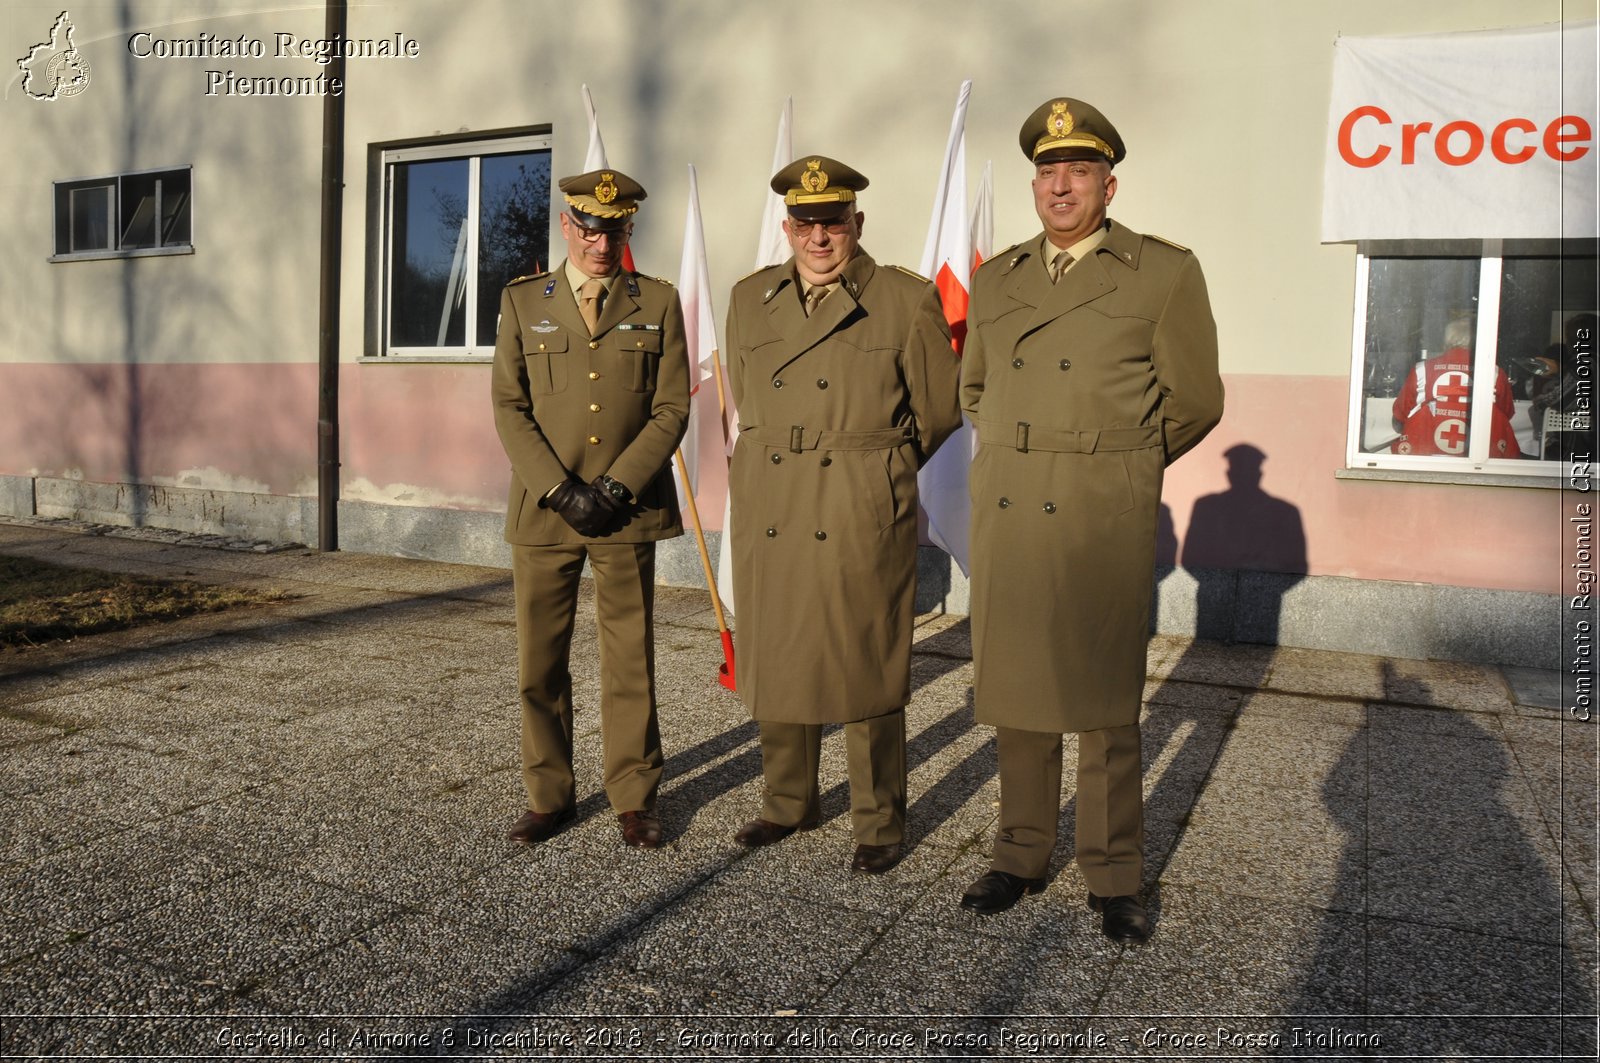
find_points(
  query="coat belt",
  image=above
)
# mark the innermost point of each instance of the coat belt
(798, 437)
(1025, 437)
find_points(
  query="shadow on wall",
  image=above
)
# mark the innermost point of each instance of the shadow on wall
(1245, 549)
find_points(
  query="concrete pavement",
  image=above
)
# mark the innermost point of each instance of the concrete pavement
(278, 832)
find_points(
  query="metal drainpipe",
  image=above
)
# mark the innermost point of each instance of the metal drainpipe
(328, 311)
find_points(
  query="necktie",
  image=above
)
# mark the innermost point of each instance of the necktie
(1059, 265)
(814, 295)
(590, 296)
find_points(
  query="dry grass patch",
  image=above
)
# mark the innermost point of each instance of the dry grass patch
(42, 602)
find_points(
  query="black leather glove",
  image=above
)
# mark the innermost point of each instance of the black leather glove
(581, 506)
(601, 486)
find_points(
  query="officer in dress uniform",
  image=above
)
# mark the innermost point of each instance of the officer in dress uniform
(1090, 365)
(846, 383)
(591, 397)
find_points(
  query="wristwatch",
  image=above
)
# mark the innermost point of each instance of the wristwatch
(616, 489)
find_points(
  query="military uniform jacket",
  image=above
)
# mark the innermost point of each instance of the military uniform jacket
(568, 404)
(1082, 392)
(837, 413)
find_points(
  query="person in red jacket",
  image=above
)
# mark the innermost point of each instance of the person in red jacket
(1435, 403)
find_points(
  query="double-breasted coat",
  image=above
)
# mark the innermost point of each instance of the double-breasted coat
(568, 403)
(1082, 392)
(837, 412)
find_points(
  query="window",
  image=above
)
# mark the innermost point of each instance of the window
(134, 213)
(460, 220)
(1473, 356)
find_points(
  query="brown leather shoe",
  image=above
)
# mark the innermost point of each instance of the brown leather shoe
(759, 832)
(997, 891)
(642, 830)
(875, 859)
(535, 827)
(1122, 919)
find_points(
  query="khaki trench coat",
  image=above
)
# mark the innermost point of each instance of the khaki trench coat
(1082, 393)
(565, 403)
(837, 412)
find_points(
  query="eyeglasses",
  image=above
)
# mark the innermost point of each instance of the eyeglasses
(592, 236)
(839, 226)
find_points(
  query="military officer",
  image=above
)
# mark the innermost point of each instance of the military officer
(1090, 365)
(591, 396)
(846, 383)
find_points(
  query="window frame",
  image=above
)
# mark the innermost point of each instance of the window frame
(473, 150)
(1476, 466)
(113, 184)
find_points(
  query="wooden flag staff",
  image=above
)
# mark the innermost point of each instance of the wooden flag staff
(725, 674)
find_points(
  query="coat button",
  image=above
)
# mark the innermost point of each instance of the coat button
(821, 535)
(541, 346)
(777, 383)
(594, 441)
(1005, 503)
(639, 343)
(594, 376)
(823, 384)
(1049, 507)
(594, 345)
(777, 459)
(1066, 363)
(1016, 363)
(772, 533)
(594, 407)
(826, 462)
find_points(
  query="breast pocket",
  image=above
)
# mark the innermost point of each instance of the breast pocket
(640, 354)
(545, 355)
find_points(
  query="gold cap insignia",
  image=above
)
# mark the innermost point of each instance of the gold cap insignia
(606, 190)
(815, 179)
(1060, 121)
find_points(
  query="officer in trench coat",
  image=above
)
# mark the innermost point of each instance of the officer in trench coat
(591, 396)
(846, 383)
(1090, 365)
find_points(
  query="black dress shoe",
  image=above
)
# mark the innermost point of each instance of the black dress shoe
(759, 832)
(875, 859)
(997, 891)
(642, 830)
(535, 827)
(1122, 919)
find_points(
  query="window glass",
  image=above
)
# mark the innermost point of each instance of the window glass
(130, 212)
(428, 259)
(514, 228)
(139, 211)
(1547, 307)
(1417, 373)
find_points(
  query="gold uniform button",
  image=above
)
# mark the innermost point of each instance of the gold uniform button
(541, 346)
(638, 343)
(593, 345)
(594, 407)
(594, 376)
(594, 440)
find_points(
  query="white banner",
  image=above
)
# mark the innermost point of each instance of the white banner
(1481, 135)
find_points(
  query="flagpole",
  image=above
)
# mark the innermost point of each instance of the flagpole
(725, 673)
(722, 402)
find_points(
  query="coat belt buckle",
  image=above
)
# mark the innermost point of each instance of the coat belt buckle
(1022, 436)
(797, 438)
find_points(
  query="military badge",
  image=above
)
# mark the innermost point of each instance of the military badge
(815, 179)
(1060, 121)
(606, 190)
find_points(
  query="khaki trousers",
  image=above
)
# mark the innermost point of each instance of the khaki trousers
(546, 582)
(875, 754)
(1110, 806)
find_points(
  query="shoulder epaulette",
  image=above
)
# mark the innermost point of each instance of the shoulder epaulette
(912, 273)
(658, 280)
(527, 277)
(1164, 240)
(758, 269)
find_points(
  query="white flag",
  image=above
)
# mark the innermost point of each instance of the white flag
(596, 158)
(947, 258)
(703, 438)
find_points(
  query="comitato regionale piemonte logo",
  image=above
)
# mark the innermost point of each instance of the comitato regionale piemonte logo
(55, 69)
